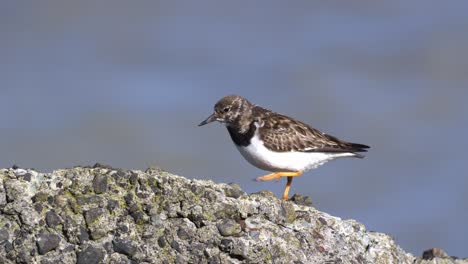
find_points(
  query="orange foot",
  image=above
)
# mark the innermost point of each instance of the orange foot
(277, 176)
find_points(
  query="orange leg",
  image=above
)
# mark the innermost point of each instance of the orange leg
(287, 187)
(277, 176)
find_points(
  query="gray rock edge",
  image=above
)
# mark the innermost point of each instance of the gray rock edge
(105, 215)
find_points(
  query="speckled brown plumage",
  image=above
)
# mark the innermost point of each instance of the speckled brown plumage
(281, 133)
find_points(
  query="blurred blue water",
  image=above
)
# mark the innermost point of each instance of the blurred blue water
(126, 83)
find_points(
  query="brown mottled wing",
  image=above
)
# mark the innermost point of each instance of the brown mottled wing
(281, 133)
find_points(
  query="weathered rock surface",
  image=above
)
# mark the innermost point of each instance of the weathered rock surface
(106, 215)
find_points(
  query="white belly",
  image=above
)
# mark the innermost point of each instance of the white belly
(261, 157)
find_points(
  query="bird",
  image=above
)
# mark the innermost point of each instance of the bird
(277, 143)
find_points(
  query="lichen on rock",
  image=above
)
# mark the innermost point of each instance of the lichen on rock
(104, 215)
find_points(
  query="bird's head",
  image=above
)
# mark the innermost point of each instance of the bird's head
(229, 110)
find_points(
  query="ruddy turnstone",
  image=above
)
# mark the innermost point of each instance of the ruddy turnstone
(277, 143)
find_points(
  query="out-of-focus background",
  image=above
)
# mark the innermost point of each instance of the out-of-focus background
(125, 83)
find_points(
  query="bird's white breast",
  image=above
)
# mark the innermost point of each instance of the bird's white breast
(258, 155)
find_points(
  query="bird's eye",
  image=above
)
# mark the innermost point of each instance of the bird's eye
(226, 109)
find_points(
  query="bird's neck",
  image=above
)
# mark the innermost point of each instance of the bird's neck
(242, 137)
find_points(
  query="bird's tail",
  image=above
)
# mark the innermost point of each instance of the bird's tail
(356, 147)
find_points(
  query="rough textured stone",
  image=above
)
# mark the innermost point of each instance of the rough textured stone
(234, 191)
(437, 255)
(434, 253)
(47, 242)
(301, 200)
(52, 218)
(228, 227)
(91, 255)
(4, 235)
(101, 214)
(124, 246)
(93, 214)
(100, 183)
(97, 222)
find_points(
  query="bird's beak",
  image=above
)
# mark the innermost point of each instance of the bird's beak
(210, 119)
